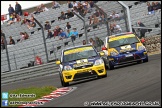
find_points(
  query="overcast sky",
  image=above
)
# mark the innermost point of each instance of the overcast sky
(24, 5)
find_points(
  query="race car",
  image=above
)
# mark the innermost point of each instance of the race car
(80, 62)
(123, 48)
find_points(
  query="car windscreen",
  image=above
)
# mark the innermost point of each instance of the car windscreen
(123, 41)
(79, 53)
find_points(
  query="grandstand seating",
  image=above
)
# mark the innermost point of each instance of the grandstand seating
(23, 52)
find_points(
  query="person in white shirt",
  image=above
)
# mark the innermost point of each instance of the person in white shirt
(114, 15)
(75, 4)
(44, 8)
(55, 5)
(117, 28)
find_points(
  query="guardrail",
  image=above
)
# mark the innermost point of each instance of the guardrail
(35, 71)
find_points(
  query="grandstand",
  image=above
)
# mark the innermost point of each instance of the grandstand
(23, 52)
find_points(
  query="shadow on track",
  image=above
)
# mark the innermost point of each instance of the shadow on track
(131, 64)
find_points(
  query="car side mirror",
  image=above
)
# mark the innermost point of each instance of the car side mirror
(58, 62)
(104, 48)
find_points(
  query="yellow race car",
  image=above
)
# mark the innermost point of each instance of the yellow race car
(80, 62)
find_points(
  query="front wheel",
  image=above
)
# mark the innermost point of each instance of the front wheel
(110, 65)
(145, 60)
(63, 83)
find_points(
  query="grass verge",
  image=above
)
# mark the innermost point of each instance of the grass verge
(37, 92)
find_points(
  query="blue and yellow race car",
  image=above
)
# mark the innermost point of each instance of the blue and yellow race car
(80, 62)
(123, 48)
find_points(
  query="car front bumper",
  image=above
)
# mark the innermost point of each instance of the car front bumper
(79, 74)
(124, 59)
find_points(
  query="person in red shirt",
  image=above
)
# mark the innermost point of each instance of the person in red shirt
(38, 60)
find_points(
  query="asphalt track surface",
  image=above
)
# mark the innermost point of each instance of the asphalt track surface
(137, 82)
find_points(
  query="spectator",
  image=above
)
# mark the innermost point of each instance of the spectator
(32, 17)
(62, 16)
(87, 7)
(68, 26)
(69, 14)
(47, 26)
(92, 42)
(55, 33)
(82, 11)
(38, 60)
(91, 3)
(62, 35)
(26, 35)
(117, 28)
(102, 18)
(114, 15)
(44, 8)
(12, 19)
(18, 9)
(153, 6)
(18, 18)
(25, 21)
(2, 43)
(84, 42)
(90, 20)
(70, 5)
(55, 5)
(95, 21)
(150, 8)
(39, 9)
(157, 6)
(74, 34)
(31, 25)
(98, 43)
(10, 10)
(12, 42)
(142, 31)
(75, 9)
(75, 4)
(49, 34)
(58, 29)
(69, 33)
(112, 28)
(96, 13)
(22, 36)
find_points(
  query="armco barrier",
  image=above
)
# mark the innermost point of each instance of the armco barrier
(27, 73)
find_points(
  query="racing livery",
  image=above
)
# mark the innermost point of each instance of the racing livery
(80, 62)
(123, 48)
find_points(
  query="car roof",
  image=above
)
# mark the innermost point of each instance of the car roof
(78, 46)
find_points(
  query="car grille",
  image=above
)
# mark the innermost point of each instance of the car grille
(126, 59)
(128, 51)
(82, 75)
(81, 67)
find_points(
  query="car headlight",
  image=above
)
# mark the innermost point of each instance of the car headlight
(113, 53)
(67, 68)
(98, 62)
(141, 48)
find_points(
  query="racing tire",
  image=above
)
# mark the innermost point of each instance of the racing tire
(111, 67)
(105, 62)
(63, 83)
(145, 60)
